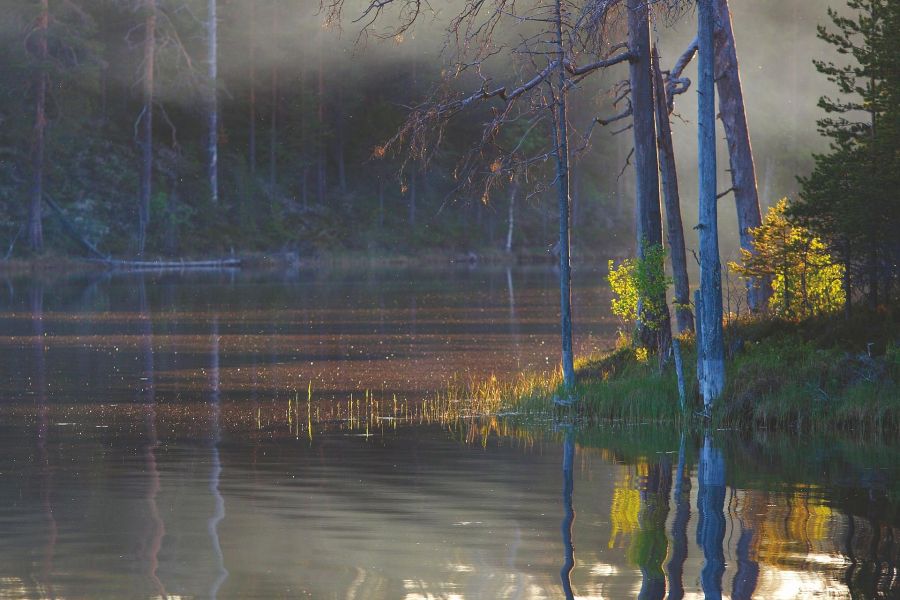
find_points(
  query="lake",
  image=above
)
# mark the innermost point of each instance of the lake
(260, 435)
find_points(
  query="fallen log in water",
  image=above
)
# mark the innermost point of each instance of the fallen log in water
(168, 265)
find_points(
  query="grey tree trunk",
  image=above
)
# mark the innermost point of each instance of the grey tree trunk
(734, 120)
(213, 109)
(710, 315)
(674, 226)
(251, 151)
(561, 140)
(412, 197)
(35, 220)
(273, 134)
(339, 153)
(511, 218)
(646, 166)
(147, 123)
(321, 174)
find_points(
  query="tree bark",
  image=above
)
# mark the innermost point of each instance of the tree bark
(734, 120)
(321, 164)
(35, 218)
(251, 151)
(273, 133)
(713, 351)
(339, 153)
(511, 220)
(412, 197)
(561, 140)
(646, 167)
(674, 226)
(213, 109)
(147, 123)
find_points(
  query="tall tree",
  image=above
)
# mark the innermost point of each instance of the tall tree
(146, 121)
(849, 200)
(712, 349)
(212, 52)
(251, 101)
(669, 179)
(646, 166)
(39, 34)
(742, 168)
(561, 152)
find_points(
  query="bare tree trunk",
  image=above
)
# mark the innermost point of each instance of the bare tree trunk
(147, 123)
(561, 140)
(412, 196)
(381, 203)
(35, 225)
(734, 119)
(646, 166)
(252, 142)
(273, 134)
(514, 191)
(713, 351)
(213, 108)
(339, 141)
(674, 226)
(321, 165)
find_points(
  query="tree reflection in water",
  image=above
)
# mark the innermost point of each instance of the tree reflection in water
(216, 471)
(157, 529)
(682, 500)
(565, 573)
(711, 517)
(39, 383)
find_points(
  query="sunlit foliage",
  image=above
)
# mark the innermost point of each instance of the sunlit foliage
(636, 284)
(806, 280)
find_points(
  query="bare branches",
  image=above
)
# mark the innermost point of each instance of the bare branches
(675, 83)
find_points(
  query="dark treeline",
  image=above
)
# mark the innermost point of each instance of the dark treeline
(105, 140)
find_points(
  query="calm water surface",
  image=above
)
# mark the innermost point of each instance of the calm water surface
(157, 441)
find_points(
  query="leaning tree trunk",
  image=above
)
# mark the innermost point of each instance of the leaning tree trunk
(213, 109)
(35, 225)
(147, 124)
(674, 226)
(561, 140)
(734, 120)
(710, 313)
(653, 329)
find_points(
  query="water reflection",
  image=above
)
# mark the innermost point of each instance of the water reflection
(39, 389)
(216, 464)
(156, 527)
(123, 493)
(568, 521)
(681, 499)
(711, 517)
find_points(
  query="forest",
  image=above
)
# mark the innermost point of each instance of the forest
(380, 299)
(108, 107)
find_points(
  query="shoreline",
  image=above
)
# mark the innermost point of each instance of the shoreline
(50, 263)
(827, 374)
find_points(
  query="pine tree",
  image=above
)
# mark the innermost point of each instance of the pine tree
(850, 199)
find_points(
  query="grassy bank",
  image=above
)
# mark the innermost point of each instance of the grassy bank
(822, 375)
